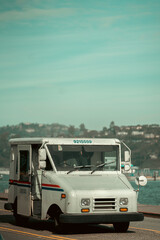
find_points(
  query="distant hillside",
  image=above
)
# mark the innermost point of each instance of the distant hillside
(144, 140)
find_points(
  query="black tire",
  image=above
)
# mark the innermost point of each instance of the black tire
(20, 220)
(121, 227)
(59, 227)
(54, 213)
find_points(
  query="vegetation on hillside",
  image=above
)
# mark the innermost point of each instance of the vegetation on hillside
(144, 140)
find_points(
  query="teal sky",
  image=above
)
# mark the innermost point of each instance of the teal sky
(80, 61)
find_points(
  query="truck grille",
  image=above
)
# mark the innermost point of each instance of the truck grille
(108, 204)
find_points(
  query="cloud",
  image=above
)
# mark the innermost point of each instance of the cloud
(108, 21)
(30, 14)
(87, 66)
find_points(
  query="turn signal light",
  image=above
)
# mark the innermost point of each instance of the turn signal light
(123, 209)
(85, 210)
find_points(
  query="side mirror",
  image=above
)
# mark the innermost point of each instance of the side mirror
(42, 164)
(142, 181)
(42, 156)
(127, 156)
(12, 154)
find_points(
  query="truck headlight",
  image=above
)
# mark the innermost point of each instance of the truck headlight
(85, 202)
(123, 201)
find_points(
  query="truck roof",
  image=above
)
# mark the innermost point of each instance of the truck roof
(65, 141)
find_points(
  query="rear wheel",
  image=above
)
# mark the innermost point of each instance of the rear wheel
(20, 219)
(121, 227)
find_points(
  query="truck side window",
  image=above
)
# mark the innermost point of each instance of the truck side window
(24, 165)
(16, 165)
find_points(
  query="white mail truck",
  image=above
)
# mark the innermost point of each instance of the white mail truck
(72, 181)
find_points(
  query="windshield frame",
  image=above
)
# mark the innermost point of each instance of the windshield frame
(80, 168)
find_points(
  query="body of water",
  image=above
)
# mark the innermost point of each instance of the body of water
(148, 195)
(4, 183)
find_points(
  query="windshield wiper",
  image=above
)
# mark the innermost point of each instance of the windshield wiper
(79, 167)
(101, 165)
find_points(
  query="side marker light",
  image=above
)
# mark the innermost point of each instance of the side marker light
(63, 195)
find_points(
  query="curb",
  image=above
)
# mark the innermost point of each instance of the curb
(4, 196)
(3, 199)
(150, 214)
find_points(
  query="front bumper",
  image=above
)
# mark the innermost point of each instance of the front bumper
(101, 218)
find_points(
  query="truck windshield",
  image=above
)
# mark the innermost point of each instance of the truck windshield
(85, 158)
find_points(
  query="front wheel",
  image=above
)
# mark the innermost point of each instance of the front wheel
(121, 227)
(59, 227)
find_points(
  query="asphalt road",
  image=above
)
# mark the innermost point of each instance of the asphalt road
(35, 229)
